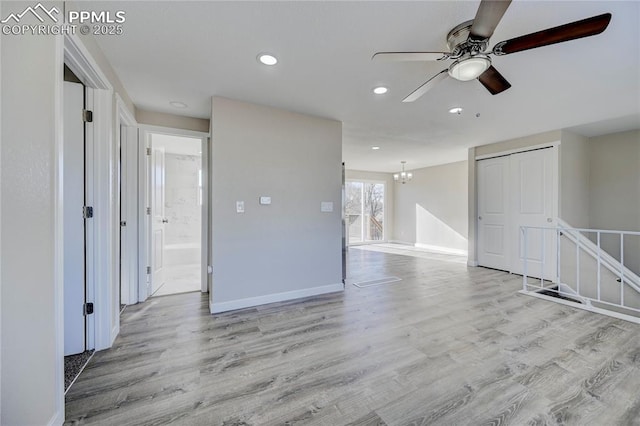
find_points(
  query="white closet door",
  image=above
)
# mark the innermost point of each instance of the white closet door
(534, 203)
(73, 202)
(158, 217)
(493, 210)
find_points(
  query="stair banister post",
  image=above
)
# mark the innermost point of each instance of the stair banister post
(524, 275)
(621, 268)
(598, 288)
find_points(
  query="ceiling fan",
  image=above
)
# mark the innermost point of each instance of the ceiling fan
(468, 44)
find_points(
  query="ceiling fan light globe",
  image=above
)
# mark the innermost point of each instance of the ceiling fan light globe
(469, 68)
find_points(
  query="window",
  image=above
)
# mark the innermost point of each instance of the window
(364, 211)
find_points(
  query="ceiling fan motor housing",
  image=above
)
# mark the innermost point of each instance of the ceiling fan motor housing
(459, 43)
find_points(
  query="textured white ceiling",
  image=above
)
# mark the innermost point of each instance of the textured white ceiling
(189, 51)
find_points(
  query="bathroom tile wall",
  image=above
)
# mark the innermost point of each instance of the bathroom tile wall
(182, 199)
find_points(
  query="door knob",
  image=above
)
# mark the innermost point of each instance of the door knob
(549, 220)
(165, 220)
(479, 217)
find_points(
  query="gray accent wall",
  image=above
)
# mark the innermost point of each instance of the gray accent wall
(574, 179)
(287, 249)
(614, 191)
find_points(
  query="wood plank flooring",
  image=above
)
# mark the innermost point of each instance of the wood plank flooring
(448, 345)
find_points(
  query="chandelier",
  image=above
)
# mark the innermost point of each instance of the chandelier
(403, 177)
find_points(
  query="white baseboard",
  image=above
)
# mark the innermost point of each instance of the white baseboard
(404, 243)
(249, 302)
(445, 250)
(472, 263)
(114, 332)
(57, 419)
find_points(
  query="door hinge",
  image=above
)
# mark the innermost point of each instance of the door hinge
(87, 309)
(87, 212)
(87, 116)
(149, 210)
(148, 270)
(148, 151)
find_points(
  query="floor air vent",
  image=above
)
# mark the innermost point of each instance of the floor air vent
(553, 292)
(380, 281)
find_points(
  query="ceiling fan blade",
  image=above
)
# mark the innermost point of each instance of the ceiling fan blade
(571, 31)
(416, 94)
(488, 16)
(493, 81)
(409, 56)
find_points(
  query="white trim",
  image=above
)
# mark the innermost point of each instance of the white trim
(173, 131)
(103, 222)
(80, 61)
(58, 237)
(127, 180)
(58, 417)
(405, 243)
(439, 249)
(585, 307)
(432, 248)
(368, 243)
(143, 218)
(204, 217)
(144, 222)
(90, 238)
(124, 115)
(472, 263)
(517, 150)
(232, 305)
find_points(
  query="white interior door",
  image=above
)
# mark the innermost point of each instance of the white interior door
(534, 203)
(158, 219)
(74, 234)
(493, 206)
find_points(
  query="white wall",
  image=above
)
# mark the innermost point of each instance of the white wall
(30, 358)
(182, 207)
(614, 191)
(389, 188)
(431, 210)
(574, 180)
(162, 119)
(290, 248)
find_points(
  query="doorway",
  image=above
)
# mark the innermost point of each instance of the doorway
(78, 335)
(176, 199)
(364, 212)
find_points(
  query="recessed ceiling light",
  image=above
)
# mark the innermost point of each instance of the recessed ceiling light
(456, 110)
(267, 59)
(380, 90)
(375, 148)
(177, 104)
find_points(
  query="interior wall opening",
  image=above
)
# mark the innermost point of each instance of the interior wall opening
(176, 213)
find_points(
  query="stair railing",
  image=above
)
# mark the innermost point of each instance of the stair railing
(584, 246)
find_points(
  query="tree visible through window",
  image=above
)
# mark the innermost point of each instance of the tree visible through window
(364, 209)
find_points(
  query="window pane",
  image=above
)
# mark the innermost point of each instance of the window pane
(353, 210)
(374, 211)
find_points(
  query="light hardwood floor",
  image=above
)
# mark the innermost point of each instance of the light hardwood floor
(447, 345)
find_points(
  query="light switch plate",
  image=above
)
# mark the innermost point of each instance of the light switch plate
(265, 201)
(326, 206)
(239, 206)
